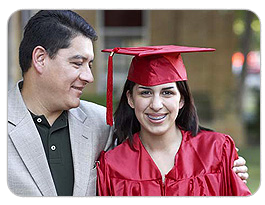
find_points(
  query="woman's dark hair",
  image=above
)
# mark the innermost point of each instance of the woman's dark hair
(126, 123)
(53, 30)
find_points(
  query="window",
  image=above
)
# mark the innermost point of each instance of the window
(120, 28)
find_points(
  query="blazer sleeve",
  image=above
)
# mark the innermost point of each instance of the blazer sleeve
(232, 184)
(103, 182)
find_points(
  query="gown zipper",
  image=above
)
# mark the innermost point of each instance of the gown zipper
(163, 184)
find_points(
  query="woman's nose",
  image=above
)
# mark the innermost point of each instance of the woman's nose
(156, 103)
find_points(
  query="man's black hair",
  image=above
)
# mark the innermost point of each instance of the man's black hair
(53, 30)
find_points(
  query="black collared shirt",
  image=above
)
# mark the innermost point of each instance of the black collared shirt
(57, 146)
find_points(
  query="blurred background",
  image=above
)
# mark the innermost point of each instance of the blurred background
(225, 84)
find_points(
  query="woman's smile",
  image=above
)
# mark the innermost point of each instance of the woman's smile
(156, 118)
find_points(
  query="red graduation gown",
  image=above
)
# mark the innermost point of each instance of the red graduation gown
(203, 167)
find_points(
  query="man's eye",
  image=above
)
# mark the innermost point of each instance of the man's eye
(90, 64)
(78, 63)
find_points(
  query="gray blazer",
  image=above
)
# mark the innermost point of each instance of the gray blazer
(28, 169)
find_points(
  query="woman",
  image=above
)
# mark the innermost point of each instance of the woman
(162, 149)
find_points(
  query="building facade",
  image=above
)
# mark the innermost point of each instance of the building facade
(210, 74)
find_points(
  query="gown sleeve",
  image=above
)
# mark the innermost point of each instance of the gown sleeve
(103, 188)
(232, 184)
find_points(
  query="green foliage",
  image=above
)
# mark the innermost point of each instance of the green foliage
(252, 156)
(98, 99)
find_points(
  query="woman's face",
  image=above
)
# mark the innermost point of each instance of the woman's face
(156, 107)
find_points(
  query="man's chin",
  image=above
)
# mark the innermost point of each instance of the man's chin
(74, 104)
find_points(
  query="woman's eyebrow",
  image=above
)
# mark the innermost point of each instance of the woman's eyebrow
(146, 88)
(167, 88)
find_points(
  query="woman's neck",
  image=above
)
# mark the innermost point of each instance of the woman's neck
(168, 140)
(163, 148)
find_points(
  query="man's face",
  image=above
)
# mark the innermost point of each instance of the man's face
(66, 75)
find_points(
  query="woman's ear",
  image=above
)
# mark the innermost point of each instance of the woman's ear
(181, 103)
(38, 58)
(129, 98)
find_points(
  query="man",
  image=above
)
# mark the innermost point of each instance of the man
(54, 138)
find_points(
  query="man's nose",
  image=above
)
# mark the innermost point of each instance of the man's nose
(156, 103)
(86, 75)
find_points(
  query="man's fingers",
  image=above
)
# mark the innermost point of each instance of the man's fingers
(241, 169)
(239, 162)
(243, 176)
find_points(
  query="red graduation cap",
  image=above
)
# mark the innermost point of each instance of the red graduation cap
(152, 65)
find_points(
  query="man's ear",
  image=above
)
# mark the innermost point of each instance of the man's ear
(38, 58)
(130, 100)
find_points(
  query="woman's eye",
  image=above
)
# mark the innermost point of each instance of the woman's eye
(146, 93)
(167, 93)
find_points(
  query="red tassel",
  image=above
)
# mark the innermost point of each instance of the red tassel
(109, 105)
(110, 91)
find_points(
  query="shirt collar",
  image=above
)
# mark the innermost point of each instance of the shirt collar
(61, 121)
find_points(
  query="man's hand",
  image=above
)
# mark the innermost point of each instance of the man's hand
(241, 169)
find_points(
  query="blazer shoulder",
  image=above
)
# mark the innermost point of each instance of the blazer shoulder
(94, 113)
(92, 108)
(16, 107)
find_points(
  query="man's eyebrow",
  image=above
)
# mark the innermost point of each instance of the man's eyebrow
(75, 57)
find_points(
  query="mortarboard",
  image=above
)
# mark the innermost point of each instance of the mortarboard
(151, 65)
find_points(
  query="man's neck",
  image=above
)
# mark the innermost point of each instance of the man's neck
(36, 105)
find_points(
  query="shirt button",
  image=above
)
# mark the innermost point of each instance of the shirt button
(53, 147)
(39, 120)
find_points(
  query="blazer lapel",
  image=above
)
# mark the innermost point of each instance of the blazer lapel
(81, 141)
(26, 139)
